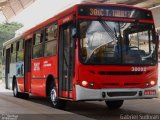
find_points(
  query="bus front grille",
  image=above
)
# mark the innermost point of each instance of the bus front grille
(117, 94)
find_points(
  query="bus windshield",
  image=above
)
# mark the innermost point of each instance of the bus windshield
(112, 42)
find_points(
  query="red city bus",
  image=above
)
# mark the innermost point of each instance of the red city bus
(105, 52)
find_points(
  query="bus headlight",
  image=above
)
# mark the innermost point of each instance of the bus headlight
(152, 83)
(84, 83)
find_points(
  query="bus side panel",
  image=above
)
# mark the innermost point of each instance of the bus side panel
(20, 82)
(41, 69)
(20, 75)
(38, 87)
(50, 68)
(38, 79)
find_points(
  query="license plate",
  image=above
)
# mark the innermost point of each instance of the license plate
(150, 92)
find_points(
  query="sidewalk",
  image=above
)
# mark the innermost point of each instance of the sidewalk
(2, 87)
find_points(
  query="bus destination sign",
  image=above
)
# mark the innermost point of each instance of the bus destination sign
(113, 11)
(109, 13)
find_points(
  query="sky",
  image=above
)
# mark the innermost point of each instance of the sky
(40, 11)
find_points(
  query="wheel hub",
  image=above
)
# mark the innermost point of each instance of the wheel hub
(15, 90)
(53, 96)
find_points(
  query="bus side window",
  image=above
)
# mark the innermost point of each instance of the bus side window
(20, 51)
(20, 59)
(50, 40)
(37, 45)
(13, 52)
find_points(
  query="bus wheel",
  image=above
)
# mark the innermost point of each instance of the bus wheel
(114, 104)
(55, 101)
(18, 94)
(15, 90)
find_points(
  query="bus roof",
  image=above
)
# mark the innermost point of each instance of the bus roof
(70, 10)
(12, 40)
(61, 15)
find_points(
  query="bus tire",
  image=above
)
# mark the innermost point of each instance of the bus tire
(54, 100)
(114, 104)
(15, 90)
(18, 94)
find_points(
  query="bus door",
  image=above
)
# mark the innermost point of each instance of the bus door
(66, 61)
(27, 65)
(7, 68)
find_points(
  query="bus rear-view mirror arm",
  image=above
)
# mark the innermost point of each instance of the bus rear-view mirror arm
(73, 34)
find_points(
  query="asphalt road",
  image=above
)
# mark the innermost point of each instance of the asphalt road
(34, 108)
(39, 108)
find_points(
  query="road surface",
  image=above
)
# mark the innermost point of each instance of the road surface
(39, 108)
(34, 108)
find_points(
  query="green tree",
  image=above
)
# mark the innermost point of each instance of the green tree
(7, 31)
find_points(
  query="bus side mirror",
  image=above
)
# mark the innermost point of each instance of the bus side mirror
(74, 31)
(73, 35)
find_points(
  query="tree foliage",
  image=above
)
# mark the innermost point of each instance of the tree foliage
(7, 30)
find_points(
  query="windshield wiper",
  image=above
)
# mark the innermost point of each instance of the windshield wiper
(111, 33)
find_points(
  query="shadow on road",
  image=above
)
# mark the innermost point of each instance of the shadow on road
(95, 110)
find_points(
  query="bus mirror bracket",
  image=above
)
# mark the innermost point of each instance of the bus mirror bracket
(73, 33)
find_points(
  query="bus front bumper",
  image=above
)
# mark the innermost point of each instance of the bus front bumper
(115, 94)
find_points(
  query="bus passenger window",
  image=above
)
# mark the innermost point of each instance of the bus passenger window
(20, 51)
(50, 48)
(13, 53)
(37, 45)
(38, 38)
(50, 41)
(37, 51)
